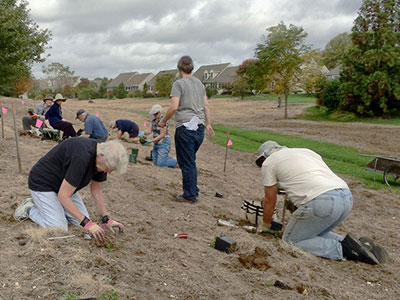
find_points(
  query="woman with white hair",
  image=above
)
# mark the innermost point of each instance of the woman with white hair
(69, 167)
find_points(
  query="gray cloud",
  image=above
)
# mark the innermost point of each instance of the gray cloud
(104, 38)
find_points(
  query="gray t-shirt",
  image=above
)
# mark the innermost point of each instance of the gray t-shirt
(191, 93)
(41, 109)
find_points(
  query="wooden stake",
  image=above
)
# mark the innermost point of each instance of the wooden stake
(2, 119)
(226, 150)
(16, 138)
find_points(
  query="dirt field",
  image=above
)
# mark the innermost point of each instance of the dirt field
(147, 262)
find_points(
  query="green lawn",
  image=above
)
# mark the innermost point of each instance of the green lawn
(342, 160)
(316, 113)
(295, 98)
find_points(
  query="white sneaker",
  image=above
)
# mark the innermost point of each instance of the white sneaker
(37, 132)
(22, 211)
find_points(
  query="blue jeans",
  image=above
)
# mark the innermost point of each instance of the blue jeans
(311, 225)
(48, 211)
(160, 154)
(187, 142)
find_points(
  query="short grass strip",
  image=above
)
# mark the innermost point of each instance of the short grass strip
(342, 160)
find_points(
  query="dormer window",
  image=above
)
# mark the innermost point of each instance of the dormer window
(205, 76)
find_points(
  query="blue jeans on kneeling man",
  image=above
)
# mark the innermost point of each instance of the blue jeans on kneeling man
(160, 154)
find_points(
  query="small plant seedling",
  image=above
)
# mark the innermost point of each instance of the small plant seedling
(68, 296)
(112, 295)
(109, 248)
(269, 284)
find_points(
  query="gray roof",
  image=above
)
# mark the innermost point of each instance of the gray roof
(174, 72)
(121, 78)
(228, 75)
(137, 79)
(215, 68)
(335, 71)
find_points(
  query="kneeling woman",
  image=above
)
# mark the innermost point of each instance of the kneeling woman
(57, 177)
(161, 140)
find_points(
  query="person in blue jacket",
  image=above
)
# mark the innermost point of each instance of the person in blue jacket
(54, 115)
(128, 126)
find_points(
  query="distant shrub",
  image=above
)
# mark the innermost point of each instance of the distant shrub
(210, 92)
(328, 94)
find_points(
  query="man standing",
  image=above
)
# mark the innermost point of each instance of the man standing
(39, 112)
(323, 201)
(190, 105)
(94, 128)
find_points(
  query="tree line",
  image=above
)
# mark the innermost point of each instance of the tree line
(368, 57)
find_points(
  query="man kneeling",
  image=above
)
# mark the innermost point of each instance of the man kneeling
(57, 177)
(323, 202)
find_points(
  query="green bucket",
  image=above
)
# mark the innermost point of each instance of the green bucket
(133, 156)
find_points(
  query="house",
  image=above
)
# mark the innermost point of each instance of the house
(224, 80)
(206, 74)
(137, 82)
(57, 84)
(121, 78)
(334, 73)
(152, 83)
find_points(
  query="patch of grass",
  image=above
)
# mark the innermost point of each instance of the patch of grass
(294, 98)
(68, 296)
(316, 113)
(107, 295)
(139, 112)
(112, 295)
(342, 160)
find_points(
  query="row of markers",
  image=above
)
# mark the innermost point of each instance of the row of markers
(39, 122)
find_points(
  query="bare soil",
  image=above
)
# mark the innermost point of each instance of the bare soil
(147, 262)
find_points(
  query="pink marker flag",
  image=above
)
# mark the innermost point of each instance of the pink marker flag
(4, 110)
(39, 123)
(22, 102)
(229, 143)
(97, 114)
(144, 124)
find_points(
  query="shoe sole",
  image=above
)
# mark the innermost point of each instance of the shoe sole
(380, 253)
(368, 255)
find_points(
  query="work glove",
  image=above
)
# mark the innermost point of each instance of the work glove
(109, 225)
(95, 230)
(147, 142)
(79, 132)
(141, 133)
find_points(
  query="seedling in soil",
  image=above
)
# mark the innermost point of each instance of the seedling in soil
(109, 248)
(269, 284)
(68, 296)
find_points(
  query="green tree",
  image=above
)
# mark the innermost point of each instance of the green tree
(22, 43)
(370, 77)
(312, 71)
(59, 75)
(250, 72)
(164, 84)
(335, 50)
(241, 87)
(281, 55)
(121, 92)
(103, 87)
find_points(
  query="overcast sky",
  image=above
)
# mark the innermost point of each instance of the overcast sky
(97, 38)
